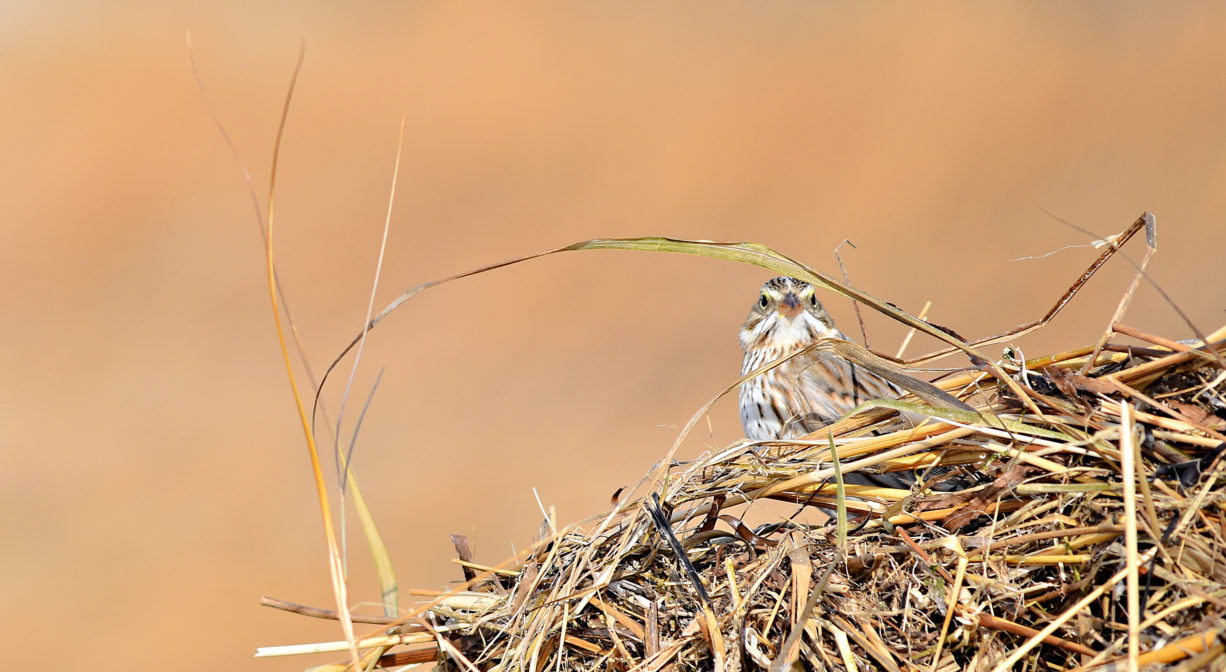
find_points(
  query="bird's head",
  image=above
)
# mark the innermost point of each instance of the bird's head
(787, 315)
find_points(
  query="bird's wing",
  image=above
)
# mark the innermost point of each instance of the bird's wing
(829, 386)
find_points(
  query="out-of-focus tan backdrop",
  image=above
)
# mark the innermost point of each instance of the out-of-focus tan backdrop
(155, 481)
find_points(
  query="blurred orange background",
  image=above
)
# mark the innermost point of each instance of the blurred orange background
(155, 479)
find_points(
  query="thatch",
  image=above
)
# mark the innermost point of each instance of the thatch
(1042, 549)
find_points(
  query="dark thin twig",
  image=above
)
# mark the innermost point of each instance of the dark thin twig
(666, 531)
(330, 614)
(855, 305)
(353, 442)
(1151, 239)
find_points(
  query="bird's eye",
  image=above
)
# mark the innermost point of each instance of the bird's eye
(763, 301)
(813, 300)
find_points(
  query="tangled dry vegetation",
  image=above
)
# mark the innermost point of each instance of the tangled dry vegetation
(1067, 514)
(1095, 527)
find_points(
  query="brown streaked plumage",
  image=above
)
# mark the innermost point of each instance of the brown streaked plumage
(809, 390)
(805, 392)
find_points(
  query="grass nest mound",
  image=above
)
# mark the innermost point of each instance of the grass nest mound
(1085, 529)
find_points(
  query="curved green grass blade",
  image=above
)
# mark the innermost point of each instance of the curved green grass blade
(760, 255)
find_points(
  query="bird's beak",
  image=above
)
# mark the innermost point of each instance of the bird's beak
(789, 307)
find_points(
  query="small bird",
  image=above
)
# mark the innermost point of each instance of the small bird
(816, 388)
(807, 391)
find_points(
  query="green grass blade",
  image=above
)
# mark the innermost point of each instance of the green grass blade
(760, 255)
(388, 585)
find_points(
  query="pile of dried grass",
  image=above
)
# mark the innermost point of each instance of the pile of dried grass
(1097, 532)
(1094, 536)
